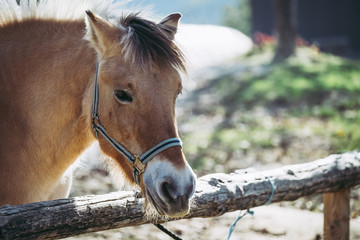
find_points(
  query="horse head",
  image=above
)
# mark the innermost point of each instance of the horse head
(137, 83)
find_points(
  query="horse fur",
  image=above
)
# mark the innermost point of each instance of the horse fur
(47, 66)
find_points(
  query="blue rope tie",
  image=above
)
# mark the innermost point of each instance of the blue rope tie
(273, 188)
(232, 227)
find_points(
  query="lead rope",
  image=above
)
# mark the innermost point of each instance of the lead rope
(162, 228)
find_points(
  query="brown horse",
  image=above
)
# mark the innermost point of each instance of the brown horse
(66, 83)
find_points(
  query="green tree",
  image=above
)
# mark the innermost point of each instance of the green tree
(238, 16)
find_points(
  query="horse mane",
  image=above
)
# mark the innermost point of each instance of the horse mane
(19, 10)
(145, 43)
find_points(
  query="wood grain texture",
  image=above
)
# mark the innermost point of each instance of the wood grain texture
(215, 195)
(337, 215)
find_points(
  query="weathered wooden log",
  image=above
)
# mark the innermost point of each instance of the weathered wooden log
(215, 195)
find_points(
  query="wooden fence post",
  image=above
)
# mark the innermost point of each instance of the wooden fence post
(337, 215)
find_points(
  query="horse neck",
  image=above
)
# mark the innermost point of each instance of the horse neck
(51, 68)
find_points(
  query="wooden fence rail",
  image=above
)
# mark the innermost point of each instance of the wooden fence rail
(215, 195)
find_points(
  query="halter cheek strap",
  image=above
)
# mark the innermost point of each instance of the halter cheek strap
(138, 162)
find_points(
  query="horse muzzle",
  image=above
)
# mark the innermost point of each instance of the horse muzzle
(168, 189)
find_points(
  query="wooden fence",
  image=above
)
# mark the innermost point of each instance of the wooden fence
(215, 195)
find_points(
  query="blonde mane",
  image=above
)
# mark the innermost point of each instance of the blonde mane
(11, 12)
(144, 43)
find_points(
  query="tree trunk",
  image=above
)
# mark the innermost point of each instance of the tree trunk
(285, 26)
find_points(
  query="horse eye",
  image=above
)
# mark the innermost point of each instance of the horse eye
(123, 96)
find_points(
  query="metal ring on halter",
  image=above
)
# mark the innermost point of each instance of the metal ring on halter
(138, 162)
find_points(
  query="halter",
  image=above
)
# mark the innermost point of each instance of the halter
(138, 162)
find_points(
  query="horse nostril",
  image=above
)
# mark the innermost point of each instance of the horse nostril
(169, 191)
(173, 194)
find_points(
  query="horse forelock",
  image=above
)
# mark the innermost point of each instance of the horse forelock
(145, 42)
(148, 44)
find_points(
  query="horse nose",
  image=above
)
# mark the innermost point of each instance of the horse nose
(178, 193)
(177, 196)
(169, 189)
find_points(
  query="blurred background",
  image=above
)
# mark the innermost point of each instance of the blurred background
(329, 24)
(270, 83)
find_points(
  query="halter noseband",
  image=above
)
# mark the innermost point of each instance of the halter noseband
(138, 162)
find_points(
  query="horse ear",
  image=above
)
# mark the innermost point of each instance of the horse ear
(100, 32)
(170, 23)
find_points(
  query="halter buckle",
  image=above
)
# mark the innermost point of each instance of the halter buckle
(138, 165)
(95, 122)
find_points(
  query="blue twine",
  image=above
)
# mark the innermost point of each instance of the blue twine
(273, 188)
(232, 227)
